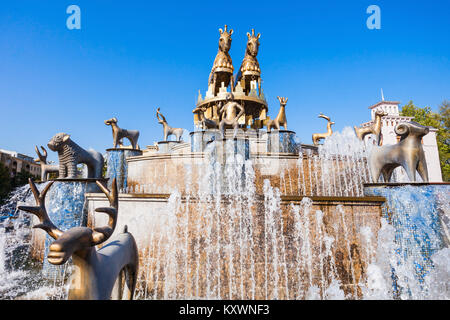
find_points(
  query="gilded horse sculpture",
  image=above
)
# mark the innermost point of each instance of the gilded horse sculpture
(109, 272)
(222, 70)
(250, 69)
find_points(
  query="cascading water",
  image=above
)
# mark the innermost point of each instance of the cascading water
(228, 236)
(221, 240)
(22, 274)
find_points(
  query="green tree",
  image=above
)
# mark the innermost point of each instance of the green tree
(5, 183)
(21, 178)
(441, 121)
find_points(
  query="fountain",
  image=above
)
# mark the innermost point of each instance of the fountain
(240, 212)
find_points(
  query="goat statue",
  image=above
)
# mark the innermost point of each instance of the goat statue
(99, 274)
(408, 153)
(316, 137)
(374, 128)
(46, 168)
(280, 120)
(119, 134)
(168, 130)
(71, 154)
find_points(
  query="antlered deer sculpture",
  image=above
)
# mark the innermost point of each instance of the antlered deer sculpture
(46, 168)
(96, 272)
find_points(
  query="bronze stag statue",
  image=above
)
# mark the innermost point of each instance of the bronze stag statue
(250, 69)
(408, 153)
(316, 137)
(119, 134)
(374, 128)
(46, 168)
(168, 130)
(70, 155)
(99, 274)
(280, 120)
(222, 70)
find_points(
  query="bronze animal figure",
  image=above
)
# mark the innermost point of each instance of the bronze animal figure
(316, 137)
(46, 168)
(250, 69)
(408, 153)
(204, 122)
(228, 114)
(70, 155)
(374, 128)
(222, 69)
(280, 120)
(119, 134)
(99, 274)
(168, 130)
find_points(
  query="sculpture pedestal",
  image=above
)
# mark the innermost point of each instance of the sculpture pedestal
(281, 141)
(166, 146)
(117, 167)
(201, 139)
(416, 212)
(224, 149)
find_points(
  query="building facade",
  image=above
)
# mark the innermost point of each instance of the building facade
(18, 162)
(389, 137)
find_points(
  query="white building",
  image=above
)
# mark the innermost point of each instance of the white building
(389, 137)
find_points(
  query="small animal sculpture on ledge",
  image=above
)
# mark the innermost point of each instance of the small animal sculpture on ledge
(228, 114)
(46, 168)
(204, 122)
(119, 134)
(168, 130)
(374, 128)
(70, 155)
(280, 120)
(222, 70)
(109, 272)
(408, 153)
(316, 137)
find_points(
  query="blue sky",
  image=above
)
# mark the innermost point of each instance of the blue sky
(133, 56)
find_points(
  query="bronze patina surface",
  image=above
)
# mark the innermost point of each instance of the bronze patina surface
(109, 272)
(408, 153)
